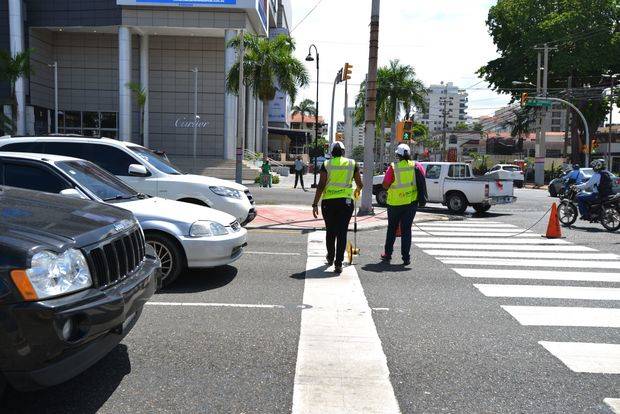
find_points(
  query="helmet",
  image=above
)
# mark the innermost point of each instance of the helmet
(336, 145)
(598, 165)
(403, 150)
(576, 167)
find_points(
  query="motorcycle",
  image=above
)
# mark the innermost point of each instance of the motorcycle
(606, 212)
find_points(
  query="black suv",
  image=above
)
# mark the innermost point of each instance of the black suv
(74, 276)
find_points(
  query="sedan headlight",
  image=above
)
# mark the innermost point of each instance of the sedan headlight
(207, 229)
(52, 274)
(226, 192)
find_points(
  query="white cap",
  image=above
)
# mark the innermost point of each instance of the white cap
(336, 144)
(402, 149)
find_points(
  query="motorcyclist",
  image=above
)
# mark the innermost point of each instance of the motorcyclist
(597, 187)
(573, 177)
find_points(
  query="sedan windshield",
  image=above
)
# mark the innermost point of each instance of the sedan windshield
(157, 161)
(99, 182)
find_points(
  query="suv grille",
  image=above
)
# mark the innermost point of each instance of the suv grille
(249, 196)
(113, 260)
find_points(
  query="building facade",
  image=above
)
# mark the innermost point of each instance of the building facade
(447, 106)
(176, 51)
(353, 135)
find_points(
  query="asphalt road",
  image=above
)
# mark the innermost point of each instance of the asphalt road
(226, 340)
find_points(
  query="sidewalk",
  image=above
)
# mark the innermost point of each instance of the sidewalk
(288, 217)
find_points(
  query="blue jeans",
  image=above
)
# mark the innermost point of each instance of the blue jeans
(403, 215)
(583, 199)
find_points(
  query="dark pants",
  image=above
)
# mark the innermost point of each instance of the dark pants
(584, 199)
(337, 214)
(403, 215)
(299, 176)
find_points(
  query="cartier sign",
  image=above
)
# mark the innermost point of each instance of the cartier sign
(185, 122)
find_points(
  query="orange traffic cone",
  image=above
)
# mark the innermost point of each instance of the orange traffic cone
(553, 228)
(399, 231)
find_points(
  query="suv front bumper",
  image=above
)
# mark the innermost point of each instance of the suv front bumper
(36, 355)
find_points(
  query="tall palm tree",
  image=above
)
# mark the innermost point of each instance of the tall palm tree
(269, 65)
(520, 125)
(141, 98)
(11, 69)
(305, 107)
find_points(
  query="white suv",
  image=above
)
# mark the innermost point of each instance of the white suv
(144, 170)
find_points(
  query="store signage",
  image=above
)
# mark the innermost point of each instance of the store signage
(185, 122)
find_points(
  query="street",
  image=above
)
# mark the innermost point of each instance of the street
(480, 322)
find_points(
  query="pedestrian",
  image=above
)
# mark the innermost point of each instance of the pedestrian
(266, 174)
(299, 172)
(405, 184)
(336, 189)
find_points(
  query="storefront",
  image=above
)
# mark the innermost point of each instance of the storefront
(174, 50)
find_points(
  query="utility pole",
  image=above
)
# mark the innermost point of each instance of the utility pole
(371, 107)
(568, 115)
(348, 140)
(240, 113)
(541, 150)
(611, 115)
(445, 123)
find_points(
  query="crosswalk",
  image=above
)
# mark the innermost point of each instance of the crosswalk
(522, 264)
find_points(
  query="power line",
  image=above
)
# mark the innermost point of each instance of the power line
(306, 16)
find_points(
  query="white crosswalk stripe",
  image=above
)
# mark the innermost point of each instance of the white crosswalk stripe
(480, 249)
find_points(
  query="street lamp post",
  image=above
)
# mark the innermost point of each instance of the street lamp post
(310, 58)
(611, 114)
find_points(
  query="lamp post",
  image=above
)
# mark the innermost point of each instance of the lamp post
(196, 117)
(310, 58)
(612, 78)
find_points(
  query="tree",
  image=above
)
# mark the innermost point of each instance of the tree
(305, 107)
(588, 44)
(395, 82)
(461, 126)
(141, 98)
(12, 68)
(478, 127)
(520, 124)
(269, 65)
(358, 153)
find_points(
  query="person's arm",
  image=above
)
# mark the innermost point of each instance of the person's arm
(358, 182)
(389, 178)
(319, 192)
(589, 185)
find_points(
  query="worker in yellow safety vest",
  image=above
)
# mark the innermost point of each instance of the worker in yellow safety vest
(401, 181)
(336, 190)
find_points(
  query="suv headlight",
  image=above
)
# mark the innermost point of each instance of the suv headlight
(52, 274)
(226, 192)
(207, 229)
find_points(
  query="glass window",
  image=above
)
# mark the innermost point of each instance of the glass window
(90, 120)
(36, 147)
(108, 120)
(433, 171)
(33, 177)
(113, 160)
(61, 119)
(512, 168)
(158, 161)
(98, 181)
(68, 149)
(458, 171)
(72, 119)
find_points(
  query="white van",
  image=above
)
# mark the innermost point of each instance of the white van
(145, 171)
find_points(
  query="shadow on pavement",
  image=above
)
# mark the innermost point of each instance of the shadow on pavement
(383, 267)
(317, 273)
(194, 281)
(84, 394)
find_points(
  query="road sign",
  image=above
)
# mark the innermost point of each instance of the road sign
(539, 103)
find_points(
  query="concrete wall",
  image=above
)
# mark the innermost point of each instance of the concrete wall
(175, 17)
(65, 13)
(42, 79)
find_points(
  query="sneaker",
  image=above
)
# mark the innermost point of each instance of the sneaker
(406, 262)
(386, 258)
(338, 269)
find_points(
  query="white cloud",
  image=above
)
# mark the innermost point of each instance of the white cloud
(444, 40)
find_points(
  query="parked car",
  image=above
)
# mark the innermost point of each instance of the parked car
(74, 277)
(454, 185)
(556, 186)
(183, 235)
(144, 170)
(508, 172)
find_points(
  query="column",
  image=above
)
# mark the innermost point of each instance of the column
(230, 101)
(16, 23)
(124, 77)
(259, 125)
(250, 112)
(144, 82)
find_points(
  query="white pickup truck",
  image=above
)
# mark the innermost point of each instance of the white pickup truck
(454, 185)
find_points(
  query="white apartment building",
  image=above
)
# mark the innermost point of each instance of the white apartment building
(557, 119)
(353, 135)
(446, 104)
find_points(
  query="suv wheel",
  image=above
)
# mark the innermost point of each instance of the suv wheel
(457, 203)
(171, 257)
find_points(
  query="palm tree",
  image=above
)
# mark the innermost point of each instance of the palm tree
(305, 107)
(12, 68)
(141, 97)
(269, 65)
(520, 125)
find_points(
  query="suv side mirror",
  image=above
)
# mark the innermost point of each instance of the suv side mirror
(74, 193)
(138, 170)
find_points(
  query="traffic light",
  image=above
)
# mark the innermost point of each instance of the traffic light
(346, 72)
(407, 131)
(524, 98)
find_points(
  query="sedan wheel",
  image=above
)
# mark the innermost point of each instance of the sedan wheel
(172, 260)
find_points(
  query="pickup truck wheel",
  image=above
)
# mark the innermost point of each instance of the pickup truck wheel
(481, 208)
(381, 197)
(171, 257)
(457, 203)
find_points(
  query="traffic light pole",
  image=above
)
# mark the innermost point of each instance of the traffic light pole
(337, 80)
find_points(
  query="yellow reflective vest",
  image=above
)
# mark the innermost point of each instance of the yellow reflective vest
(340, 173)
(404, 189)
